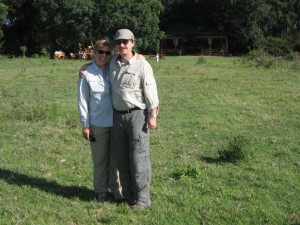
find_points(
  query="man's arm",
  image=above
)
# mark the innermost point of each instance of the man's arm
(151, 96)
(152, 120)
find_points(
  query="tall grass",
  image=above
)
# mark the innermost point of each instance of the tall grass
(46, 167)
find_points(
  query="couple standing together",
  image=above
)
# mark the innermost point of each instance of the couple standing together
(117, 105)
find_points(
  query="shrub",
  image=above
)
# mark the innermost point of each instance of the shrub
(201, 60)
(261, 58)
(235, 151)
(23, 49)
(188, 171)
(296, 61)
(279, 47)
(3, 56)
(35, 56)
(257, 53)
(44, 52)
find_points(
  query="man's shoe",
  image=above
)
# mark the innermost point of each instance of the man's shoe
(137, 207)
(102, 197)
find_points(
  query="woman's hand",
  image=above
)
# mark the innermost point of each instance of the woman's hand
(86, 133)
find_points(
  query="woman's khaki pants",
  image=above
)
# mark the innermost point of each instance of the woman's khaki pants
(104, 160)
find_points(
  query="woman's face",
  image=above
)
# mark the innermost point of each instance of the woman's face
(102, 56)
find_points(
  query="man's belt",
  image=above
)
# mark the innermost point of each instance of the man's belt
(127, 111)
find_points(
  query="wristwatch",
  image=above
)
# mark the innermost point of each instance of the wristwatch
(153, 115)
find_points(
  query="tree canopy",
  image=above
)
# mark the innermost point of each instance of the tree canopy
(64, 24)
(141, 17)
(48, 25)
(248, 24)
(3, 15)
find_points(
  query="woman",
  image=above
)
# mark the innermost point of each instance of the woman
(96, 115)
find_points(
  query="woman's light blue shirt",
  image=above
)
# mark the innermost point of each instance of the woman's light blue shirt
(94, 99)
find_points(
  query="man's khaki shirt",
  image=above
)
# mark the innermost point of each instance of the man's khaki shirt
(132, 84)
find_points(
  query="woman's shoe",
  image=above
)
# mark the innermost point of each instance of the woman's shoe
(101, 197)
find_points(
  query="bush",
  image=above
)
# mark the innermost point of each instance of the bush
(35, 56)
(279, 47)
(23, 49)
(235, 151)
(256, 54)
(44, 52)
(3, 57)
(296, 61)
(188, 171)
(261, 58)
(201, 60)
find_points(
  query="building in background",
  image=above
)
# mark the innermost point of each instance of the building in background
(194, 39)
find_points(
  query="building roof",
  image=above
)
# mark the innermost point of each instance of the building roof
(192, 29)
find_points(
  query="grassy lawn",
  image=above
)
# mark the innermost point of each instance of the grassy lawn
(46, 166)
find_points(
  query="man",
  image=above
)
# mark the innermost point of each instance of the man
(135, 102)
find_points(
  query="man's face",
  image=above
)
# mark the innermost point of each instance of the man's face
(124, 46)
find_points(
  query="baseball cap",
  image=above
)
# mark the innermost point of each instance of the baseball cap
(124, 34)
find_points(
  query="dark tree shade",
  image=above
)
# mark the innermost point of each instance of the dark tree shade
(141, 17)
(3, 15)
(52, 25)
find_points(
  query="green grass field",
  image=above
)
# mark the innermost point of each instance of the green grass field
(46, 166)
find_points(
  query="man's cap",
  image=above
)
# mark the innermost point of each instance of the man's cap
(124, 34)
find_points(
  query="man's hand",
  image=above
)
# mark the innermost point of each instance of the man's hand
(83, 69)
(140, 57)
(151, 123)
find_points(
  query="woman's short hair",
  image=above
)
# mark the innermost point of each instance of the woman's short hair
(101, 43)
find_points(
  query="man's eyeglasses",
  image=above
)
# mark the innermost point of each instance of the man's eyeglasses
(100, 52)
(124, 42)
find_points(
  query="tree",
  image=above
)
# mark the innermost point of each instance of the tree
(248, 24)
(3, 15)
(47, 24)
(141, 17)
(258, 22)
(66, 22)
(63, 24)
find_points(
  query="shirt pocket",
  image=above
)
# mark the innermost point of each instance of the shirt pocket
(96, 87)
(130, 80)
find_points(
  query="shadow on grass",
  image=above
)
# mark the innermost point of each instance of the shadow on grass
(71, 192)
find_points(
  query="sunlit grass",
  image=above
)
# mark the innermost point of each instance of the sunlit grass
(46, 167)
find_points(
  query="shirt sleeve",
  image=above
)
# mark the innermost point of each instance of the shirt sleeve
(83, 101)
(150, 88)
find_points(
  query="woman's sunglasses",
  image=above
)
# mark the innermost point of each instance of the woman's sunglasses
(100, 52)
